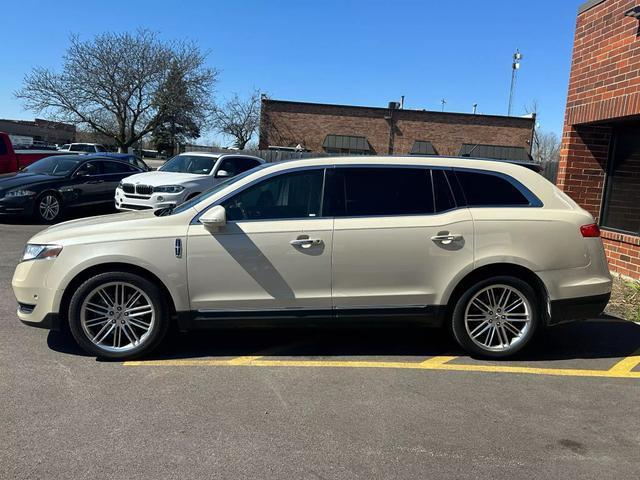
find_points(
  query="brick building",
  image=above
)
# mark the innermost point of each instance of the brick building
(382, 131)
(42, 130)
(600, 156)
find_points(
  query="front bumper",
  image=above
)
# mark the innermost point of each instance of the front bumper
(128, 202)
(36, 300)
(16, 205)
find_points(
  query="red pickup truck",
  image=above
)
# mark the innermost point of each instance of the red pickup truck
(12, 160)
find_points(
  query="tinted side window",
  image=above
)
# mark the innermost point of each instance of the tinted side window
(3, 147)
(293, 195)
(90, 168)
(442, 194)
(237, 165)
(383, 191)
(482, 189)
(117, 167)
(245, 164)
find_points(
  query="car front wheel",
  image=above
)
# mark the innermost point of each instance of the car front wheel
(496, 317)
(118, 315)
(48, 208)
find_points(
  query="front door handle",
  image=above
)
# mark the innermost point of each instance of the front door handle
(447, 239)
(95, 181)
(305, 242)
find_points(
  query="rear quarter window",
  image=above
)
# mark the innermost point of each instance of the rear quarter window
(486, 189)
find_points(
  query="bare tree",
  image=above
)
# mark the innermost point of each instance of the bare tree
(111, 84)
(546, 147)
(239, 118)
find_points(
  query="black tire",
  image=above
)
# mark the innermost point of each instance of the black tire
(40, 211)
(463, 336)
(156, 332)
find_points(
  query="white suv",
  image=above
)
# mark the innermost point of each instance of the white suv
(83, 148)
(492, 249)
(180, 178)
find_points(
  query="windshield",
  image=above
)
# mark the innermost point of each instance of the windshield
(57, 165)
(208, 193)
(189, 164)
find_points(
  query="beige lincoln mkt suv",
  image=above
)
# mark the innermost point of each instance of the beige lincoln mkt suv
(492, 249)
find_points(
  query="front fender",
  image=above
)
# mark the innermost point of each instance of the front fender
(173, 279)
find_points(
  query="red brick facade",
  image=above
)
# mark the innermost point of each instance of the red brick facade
(285, 123)
(604, 91)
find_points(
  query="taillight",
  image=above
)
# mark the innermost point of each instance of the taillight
(590, 230)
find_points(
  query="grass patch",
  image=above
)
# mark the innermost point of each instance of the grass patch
(625, 299)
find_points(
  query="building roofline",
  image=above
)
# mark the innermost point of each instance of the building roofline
(587, 5)
(435, 112)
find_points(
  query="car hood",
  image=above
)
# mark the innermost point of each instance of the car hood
(115, 227)
(158, 178)
(19, 179)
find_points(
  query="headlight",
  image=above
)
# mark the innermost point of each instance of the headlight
(33, 251)
(169, 188)
(20, 193)
(120, 185)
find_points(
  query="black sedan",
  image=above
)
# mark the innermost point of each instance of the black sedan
(47, 187)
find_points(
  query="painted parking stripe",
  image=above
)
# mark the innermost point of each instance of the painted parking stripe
(435, 363)
(627, 364)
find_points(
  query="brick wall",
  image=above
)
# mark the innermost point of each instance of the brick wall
(604, 89)
(289, 123)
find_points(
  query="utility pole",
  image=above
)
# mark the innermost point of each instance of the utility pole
(515, 66)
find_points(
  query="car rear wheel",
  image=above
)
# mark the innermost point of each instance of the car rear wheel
(48, 208)
(118, 315)
(496, 317)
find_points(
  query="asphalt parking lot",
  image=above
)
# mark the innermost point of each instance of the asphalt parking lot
(319, 403)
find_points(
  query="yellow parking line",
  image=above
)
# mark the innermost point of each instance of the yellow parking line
(627, 364)
(439, 364)
(437, 360)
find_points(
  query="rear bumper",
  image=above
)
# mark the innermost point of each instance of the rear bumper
(577, 308)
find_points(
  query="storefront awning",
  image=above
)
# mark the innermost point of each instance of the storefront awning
(348, 142)
(495, 152)
(423, 147)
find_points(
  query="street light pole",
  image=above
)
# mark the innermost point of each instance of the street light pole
(515, 66)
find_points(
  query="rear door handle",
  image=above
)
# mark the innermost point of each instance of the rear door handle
(95, 181)
(305, 242)
(447, 239)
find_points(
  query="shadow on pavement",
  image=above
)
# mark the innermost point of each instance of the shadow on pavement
(594, 339)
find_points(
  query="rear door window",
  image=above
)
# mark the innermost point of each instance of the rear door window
(486, 189)
(380, 191)
(117, 167)
(442, 194)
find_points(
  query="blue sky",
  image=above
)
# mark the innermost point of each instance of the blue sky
(352, 52)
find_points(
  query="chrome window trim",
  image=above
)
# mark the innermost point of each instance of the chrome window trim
(534, 201)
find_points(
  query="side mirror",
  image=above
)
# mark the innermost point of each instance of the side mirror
(222, 174)
(214, 217)
(82, 173)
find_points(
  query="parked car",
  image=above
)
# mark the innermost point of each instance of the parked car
(179, 179)
(129, 158)
(13, 160)
(492, 249)
(84, 148)
(46, 188)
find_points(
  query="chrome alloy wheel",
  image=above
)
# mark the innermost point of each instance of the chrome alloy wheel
(498, 317)
(49, 207)
(117, 316)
